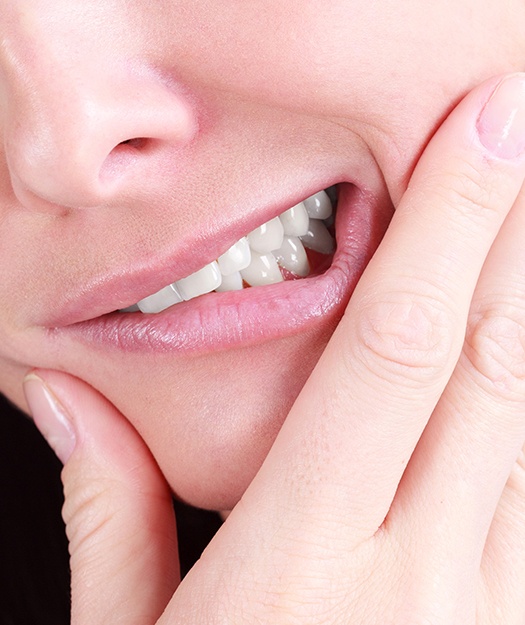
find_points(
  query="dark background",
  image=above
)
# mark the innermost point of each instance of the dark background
(34, 561)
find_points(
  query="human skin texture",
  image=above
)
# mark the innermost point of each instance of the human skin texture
(242, 110)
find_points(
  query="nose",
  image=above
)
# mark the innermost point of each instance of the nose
(81, 136)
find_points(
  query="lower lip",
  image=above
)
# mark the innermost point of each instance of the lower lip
(241, 318)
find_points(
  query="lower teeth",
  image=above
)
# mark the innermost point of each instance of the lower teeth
(261, 257)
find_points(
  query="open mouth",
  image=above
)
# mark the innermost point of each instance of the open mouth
(290, 246)
(307, 289)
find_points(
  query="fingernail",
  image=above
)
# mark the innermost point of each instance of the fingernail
(49, 417)
(501, 125)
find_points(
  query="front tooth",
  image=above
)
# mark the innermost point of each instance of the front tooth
(292, 256)
(318, 205)
(295, 221)
(267, 237)
(133, 308)
(318, 238)
(203, 281)
(232, 282)
(262, 270)
(166, 297)
(236, 258)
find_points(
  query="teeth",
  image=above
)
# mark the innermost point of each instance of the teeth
(257, 258)
(236, 258)
(318, 238)
(203, 281)
(160, 300)
(133, 308)
(267, 237)
(295, 221)
(262, 270)
(318, 206)
(232, 282)
(292, 256)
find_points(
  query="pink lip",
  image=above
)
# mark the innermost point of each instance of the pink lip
(122, 288)
(225, 320)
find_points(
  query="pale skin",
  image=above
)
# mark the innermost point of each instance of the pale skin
(394, 490)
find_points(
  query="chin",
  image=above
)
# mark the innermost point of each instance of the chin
(211, 431)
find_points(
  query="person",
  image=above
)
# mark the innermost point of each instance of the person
(362, 414)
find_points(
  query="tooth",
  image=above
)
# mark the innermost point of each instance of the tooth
(318, 238)
(251, 260)
(133, 308)
(160, 300)
(203, 281)
(262, 270)
(267, 237)
(318, 206)
(295, 220)
(292, 256)
(231, 282)
(236, 258)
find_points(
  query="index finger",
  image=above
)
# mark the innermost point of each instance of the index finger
(358, 419)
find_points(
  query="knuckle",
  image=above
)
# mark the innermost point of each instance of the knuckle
(302, 598)
(86, 512)
(406, 336)
(495, 349)
(472, 190)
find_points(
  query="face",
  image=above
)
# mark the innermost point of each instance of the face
(142, 140)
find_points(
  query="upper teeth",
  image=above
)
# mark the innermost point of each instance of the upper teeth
(257, 258)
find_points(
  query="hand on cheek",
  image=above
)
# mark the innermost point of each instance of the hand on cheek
(392, 492)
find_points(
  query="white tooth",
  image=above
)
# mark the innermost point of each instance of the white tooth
(267, 237)
(231, 282)
(262, 270)
(160, 300)
(203, 281)
(318, 238)
(292, 256)
(295, 220)
(236, 258)
(133, 308)
(318, 205)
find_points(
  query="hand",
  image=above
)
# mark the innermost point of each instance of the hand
(395, 491)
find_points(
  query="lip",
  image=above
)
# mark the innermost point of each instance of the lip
(126, 286)
(236, 318)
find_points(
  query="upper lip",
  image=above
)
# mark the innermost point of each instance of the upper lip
(124, 286)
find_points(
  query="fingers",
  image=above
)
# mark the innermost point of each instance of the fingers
(118, 508)
(503, 565)
(478, 427)
(354, 427)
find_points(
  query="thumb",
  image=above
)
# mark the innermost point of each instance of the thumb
(118, 508)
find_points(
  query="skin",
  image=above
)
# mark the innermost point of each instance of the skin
(412, 514)
(328, 94)
(66, 191)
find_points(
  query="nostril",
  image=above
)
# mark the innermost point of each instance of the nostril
(138, 143)
(123, 156)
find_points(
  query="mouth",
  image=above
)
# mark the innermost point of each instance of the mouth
(287, 247)
(292, 273)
